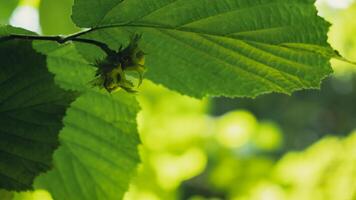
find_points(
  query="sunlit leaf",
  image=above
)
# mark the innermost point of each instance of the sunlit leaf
(98, 153)
(218, 47)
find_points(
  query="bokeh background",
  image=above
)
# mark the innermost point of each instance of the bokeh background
(274, 147)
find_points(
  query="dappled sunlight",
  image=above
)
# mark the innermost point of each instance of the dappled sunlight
(265, 190)
(170, 120)
(36, 195)
(268, 137)
(339, 4)
(225, 154)
(235, 129)
(174, 169)
(26, 17)
(326, 170)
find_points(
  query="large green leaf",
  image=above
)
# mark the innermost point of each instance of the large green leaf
(55, 17)
(6, 8)
(218, 47)
(31, 112)
(98, 153)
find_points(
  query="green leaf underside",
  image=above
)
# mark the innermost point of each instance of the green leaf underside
(98, 152)
(6, 30)
(72, 71)
(218, 47)
(31, 112)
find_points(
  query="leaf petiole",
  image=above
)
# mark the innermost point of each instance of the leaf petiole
(61, 40)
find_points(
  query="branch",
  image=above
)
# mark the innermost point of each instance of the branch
(103, 46)
(62, 40)
(74, 37)
(58, 39)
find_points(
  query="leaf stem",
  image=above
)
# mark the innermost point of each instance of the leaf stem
(74, 38)
(58, 39)
(78, 34)
(62, 40)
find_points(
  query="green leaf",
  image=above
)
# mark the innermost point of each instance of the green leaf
(31, 112)
(218, 47)
(72, 71)
(6, 30)
(55, 17)
(6, 9)
(89, 13)
(98, 153)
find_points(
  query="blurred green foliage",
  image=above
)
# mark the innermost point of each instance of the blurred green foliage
(306, 116)
(55, 17)
(244, 149)
(6, 8)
